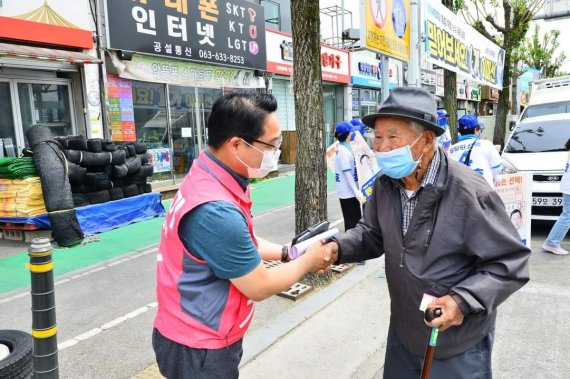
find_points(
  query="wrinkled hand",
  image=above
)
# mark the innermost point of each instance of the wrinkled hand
(320, 257)
(451, 313)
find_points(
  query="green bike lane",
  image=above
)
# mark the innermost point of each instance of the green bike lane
(266, 195)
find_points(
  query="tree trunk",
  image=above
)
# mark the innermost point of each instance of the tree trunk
(514, 96)
(310, 179)
(504, 102)
(450, 89)
(450, 101)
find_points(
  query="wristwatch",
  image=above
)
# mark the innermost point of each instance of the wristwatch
(465, 309)
(285, 254)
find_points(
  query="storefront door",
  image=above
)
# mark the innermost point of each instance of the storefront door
(25, 103)
(7, 124)
(190, 109)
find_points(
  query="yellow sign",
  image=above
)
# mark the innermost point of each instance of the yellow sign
(387, 27)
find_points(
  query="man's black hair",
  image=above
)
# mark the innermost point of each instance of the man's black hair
(516, 211)
(239, 114)
(341, 137)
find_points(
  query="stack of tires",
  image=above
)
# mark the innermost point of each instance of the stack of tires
(101, 170)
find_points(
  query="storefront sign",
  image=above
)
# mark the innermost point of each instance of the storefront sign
(428, 80)
(121, 111)
(454, 45)
(366, 71)
(53, 22)
(473, 93)
(159, 159)
(461, 91)
(516, 192)
(221, 32)
(170, 71)
(386, 27)
(439, 86)
(334, 62)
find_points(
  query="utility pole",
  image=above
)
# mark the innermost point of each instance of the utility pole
(414, 65)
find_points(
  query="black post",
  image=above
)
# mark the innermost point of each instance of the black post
(44, 327)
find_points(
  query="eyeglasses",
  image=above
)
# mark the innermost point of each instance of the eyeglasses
(275, 147)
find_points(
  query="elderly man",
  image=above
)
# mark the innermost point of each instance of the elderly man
(444, 233)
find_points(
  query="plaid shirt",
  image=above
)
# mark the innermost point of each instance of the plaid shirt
(409, 203)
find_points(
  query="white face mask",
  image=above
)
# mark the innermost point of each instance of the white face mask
(269, 160)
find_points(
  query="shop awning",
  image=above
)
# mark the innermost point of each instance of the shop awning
(28, 52)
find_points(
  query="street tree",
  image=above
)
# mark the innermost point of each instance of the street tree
(505, 23)
(310, 170)
(450, 82)
(540, 52)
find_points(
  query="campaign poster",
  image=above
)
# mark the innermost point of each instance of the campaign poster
(367, 168)
(516, 192)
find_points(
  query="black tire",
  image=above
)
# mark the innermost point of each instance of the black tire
(147, 188)
(116, 194)
(131, 190)
(145, 171)
(19, 363)
(80, 200)
(98, 197)
(133, 179)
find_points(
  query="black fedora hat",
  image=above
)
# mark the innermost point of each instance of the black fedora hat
(412, 103)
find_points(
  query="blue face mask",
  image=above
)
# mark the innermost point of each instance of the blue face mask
(398, 163)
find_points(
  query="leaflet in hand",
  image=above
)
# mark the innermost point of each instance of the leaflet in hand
(299, 249)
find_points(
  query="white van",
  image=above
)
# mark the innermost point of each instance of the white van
(548, 96)
(537, 146)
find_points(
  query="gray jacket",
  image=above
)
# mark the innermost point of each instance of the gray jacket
(460, 240)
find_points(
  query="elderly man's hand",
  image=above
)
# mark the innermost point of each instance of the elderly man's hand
(321, 256)
(451, 313)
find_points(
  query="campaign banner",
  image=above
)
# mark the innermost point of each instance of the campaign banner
(367, 169)
(516, 192)
(221, 32)
(452, 44)
(385, 27)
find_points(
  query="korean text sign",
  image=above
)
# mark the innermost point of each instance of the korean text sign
(215, 31)
(452, 44)
(386, 27)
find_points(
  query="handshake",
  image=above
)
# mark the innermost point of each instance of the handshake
(313, 246)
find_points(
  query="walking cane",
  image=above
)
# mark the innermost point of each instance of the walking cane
(429, 315)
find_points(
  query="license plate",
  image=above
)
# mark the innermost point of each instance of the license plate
(546, 201)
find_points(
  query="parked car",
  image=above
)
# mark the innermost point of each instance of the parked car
(537, 146)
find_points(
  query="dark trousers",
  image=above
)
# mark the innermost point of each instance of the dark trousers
(177, 361)
(350, 212)
(475, 363)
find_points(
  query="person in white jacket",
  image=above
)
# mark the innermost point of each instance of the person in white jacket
(478, 154)
(346, 177)
(562, 225)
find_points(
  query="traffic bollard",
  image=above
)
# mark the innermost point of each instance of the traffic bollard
(44, 327)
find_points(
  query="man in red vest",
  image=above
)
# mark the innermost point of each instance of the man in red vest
(209, 265)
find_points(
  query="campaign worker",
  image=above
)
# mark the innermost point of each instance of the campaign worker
(346, 177)
(562, 225)
(209, 264)
(444, 140)
(478, 154)
(445, 235)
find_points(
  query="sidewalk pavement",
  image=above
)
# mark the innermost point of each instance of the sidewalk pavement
(317, 338)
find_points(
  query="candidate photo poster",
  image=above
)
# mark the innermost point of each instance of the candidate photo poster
(516, 192)
(367, 168)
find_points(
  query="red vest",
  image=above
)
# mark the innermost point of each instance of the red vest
(184, 302)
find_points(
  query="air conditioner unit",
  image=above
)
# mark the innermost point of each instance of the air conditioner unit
(351, 34)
